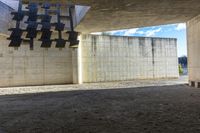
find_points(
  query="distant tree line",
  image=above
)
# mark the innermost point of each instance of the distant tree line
(183, 61)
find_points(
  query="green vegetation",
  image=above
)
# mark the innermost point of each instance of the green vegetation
(180, 69)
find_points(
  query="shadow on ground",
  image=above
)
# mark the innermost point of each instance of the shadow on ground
(167, 109)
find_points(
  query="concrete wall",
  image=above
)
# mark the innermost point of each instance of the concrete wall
(98, 59)
(193, 37)
(38, 67)
(109, 58)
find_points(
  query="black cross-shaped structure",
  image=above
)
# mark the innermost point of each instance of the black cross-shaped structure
(46, 26)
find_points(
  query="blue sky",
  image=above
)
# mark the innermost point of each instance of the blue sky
(170, 31)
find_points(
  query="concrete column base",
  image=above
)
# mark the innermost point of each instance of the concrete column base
(194, 84)
(193, 40)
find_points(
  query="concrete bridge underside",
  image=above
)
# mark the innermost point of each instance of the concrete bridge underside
(105, 15)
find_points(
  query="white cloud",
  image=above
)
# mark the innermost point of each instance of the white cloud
(131, 31)
(96, 33)
(181, 26)
(108, 32)
(113, 32)
(141, 32)
(152, 32)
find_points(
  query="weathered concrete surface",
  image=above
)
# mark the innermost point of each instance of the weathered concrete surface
(114, 58)
(107, 15)
(166, 109)
(92, 86)
(193, 35)
(38, 67)
(98, 59)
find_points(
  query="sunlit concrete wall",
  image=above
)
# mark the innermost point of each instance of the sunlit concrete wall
(98, 59)
(38, 67)
(110, 58)
(193, 37)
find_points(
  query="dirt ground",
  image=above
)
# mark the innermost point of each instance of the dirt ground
(154, 109)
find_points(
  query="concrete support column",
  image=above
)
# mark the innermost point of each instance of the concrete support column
(77, 64)
(193, 38)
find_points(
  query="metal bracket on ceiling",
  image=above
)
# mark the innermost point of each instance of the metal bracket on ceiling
(16, 33)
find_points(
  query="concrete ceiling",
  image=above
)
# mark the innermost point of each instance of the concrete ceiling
(11, 3)
(106, 15)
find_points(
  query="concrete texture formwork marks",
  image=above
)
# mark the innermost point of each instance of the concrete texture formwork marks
(37, 67)
(193, 32)
(108, 58)
(98, 59)
(105, 15)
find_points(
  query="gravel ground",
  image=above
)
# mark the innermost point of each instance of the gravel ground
(164, 108)
(93, 86)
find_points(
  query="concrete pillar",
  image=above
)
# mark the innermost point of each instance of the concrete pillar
(77, 64)
(193, 38)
